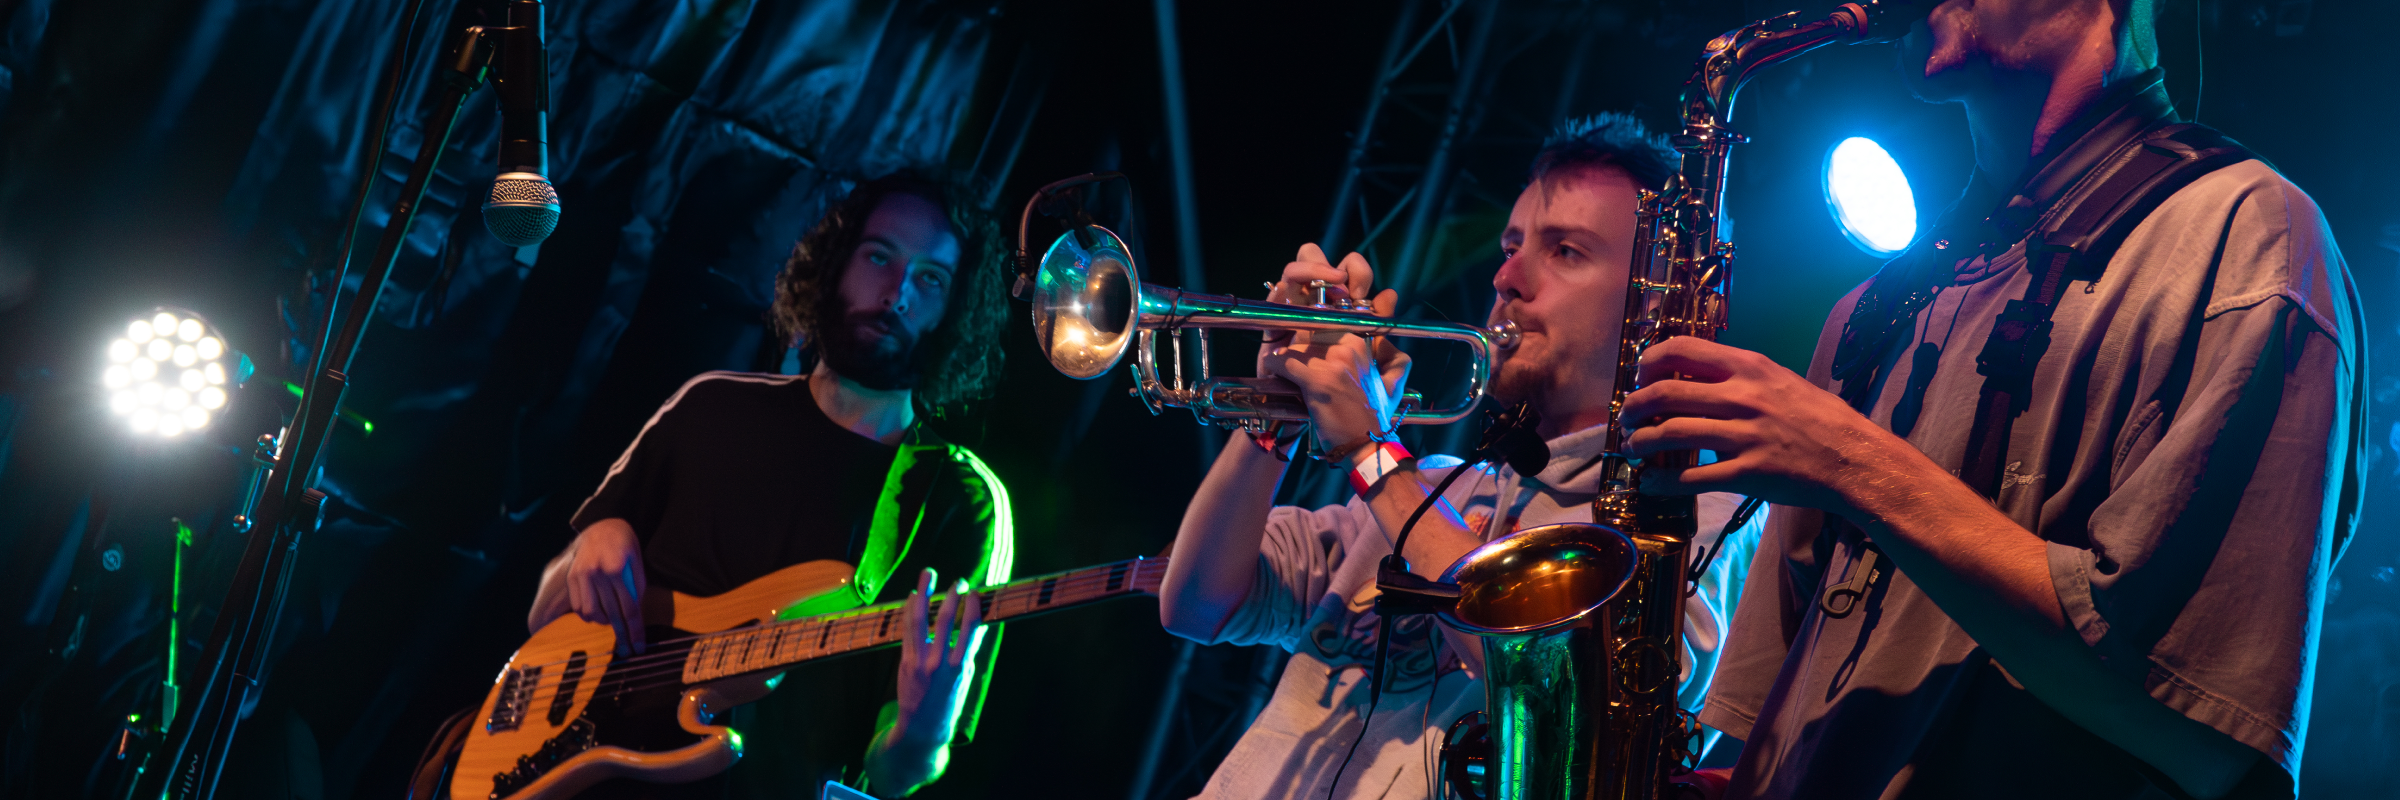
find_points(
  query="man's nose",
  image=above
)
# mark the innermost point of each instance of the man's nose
(1511, 281)
(894, 292)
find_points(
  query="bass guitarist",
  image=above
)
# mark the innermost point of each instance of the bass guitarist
(895, 297)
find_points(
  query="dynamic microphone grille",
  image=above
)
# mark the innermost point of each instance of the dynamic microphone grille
(522, 210)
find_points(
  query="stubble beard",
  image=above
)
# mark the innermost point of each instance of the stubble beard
(1524, 377)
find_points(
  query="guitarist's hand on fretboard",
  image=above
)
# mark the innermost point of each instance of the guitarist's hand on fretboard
(937, 665)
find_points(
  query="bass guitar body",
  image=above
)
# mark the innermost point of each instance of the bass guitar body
(571, 710)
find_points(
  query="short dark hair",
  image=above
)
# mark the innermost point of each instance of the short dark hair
(1608, 138)
(960, 360)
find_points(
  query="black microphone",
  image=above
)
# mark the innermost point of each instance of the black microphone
(523, 207)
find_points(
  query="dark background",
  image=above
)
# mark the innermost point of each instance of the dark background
(203, 154)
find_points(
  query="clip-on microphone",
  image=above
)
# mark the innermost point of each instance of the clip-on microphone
(1063, 199)
(1509, 437)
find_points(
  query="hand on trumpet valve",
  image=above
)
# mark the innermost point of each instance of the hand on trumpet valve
(1352, 384)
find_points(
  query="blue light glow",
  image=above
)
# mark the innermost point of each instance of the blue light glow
(1870, 197)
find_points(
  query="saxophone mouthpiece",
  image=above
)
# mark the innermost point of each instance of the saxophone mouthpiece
(1877, 21)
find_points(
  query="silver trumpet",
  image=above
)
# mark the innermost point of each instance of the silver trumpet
(1090, 304)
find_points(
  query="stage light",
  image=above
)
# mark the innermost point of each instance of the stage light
(1870, 197)
(166, 376)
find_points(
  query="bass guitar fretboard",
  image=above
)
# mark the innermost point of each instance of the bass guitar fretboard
(764, 647)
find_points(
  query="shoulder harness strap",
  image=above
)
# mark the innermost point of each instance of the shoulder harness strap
(2074, 242)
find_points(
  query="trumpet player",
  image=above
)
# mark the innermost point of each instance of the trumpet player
(1248, 572)
(2053, 522)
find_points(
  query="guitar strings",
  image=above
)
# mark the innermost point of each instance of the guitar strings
(848, 626)
(653, 671)
(992, 596)
(1069, 578)
(653, 677)
(665, 659)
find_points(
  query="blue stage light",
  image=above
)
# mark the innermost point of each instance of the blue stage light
(1870, 197)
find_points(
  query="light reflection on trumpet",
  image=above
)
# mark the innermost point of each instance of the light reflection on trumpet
(1089, 305)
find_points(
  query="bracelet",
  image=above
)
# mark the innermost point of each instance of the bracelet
(1386, 458)
(1342, 454)
(1277, 439)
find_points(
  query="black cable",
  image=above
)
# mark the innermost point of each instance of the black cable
(1383, 629)
(2199, 55)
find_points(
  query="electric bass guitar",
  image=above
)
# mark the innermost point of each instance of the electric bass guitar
(569, 711)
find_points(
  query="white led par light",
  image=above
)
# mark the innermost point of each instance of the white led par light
(170, 373)
(1870, 197)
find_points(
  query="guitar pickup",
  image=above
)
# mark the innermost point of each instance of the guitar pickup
(564, 699)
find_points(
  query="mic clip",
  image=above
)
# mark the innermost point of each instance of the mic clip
(1399, 592)
(1511, 436)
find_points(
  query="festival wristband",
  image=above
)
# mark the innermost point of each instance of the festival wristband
(1371, 464)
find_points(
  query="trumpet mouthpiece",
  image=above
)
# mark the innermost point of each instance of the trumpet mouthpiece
(1505, 334)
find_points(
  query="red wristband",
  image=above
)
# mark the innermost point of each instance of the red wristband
(1372, 464)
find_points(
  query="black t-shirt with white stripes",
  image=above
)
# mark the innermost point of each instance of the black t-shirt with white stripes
(739, 475)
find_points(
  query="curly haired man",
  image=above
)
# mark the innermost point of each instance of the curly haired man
(894, 299)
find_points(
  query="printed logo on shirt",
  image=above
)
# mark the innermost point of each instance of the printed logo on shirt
(2011, 477)
(1345, 638)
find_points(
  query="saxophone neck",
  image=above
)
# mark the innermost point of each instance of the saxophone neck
(1735, 56)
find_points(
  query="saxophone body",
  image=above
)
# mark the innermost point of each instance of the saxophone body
(1583, 704)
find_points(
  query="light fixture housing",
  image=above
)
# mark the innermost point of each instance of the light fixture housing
(1870, 197)
(170, 373)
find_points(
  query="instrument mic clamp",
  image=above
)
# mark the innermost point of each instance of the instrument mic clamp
(1512, 437)
(1060, 198)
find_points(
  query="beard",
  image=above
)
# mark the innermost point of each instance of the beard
(1522, 377)
(887, 362)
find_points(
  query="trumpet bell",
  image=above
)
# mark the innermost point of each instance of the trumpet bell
(1085, 298)
(1539, 579)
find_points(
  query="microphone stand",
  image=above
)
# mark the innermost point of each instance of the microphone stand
(192, 757)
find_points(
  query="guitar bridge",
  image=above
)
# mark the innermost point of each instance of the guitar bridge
(516, 693)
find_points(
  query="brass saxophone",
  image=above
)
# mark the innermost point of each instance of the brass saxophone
(1582, 625)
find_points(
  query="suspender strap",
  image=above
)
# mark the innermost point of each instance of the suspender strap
(2074, 241)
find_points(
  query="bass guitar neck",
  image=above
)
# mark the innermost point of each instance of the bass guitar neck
(573, 709)
(753, 649)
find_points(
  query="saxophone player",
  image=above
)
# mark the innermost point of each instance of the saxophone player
(2053, 522)
(1247, 572)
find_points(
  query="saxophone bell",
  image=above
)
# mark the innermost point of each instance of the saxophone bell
(1538, 600)
(1582, 625)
